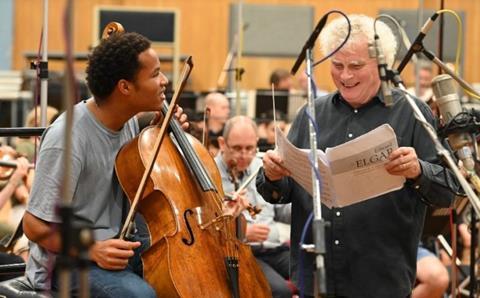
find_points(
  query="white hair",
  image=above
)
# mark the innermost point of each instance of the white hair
(362, 27)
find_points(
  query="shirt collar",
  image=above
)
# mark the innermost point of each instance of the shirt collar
(337, 98)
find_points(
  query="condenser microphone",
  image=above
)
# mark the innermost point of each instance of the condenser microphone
(417, 44)
(449, 105)
(377, 52)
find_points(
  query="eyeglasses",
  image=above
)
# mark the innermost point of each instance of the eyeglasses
(238, 150)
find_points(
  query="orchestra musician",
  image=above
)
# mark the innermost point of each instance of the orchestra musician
(14, 188)
(124, 75)
(237, 158)
(371, 246)
(217, 110)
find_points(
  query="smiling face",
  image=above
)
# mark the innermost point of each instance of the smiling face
(355, 74)
(150, 83)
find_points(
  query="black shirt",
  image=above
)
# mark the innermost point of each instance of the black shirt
(371, 246)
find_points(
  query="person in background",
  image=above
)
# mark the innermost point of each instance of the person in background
(26, 146)
(13, 188)
(267, 124)
(281, 79)
(424, 77)
(236, 162)
(218, 108)
(371, 246)
(14, 192)
(302, 80)
(432, 278)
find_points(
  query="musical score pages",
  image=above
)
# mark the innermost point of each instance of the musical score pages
(351, 172)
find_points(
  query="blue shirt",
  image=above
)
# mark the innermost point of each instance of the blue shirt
(269, 213)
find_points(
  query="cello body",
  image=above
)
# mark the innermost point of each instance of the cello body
(188, 252)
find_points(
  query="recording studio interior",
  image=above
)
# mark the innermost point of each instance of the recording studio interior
(239, 148)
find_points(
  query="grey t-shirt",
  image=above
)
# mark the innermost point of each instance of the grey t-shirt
(96, 196)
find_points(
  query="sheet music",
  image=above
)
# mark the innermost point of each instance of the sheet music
(297, 161)
(351, 172)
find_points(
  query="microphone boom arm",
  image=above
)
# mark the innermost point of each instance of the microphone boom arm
(447, 69)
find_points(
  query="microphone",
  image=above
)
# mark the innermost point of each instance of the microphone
(444, 89)
(377, 52)
(417, 45)
(309, 44)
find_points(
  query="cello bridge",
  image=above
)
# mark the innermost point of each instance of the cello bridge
(218, 221)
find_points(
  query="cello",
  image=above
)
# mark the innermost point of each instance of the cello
(193, 249)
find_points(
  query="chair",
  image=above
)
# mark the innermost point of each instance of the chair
(20, 287)
(17, 286)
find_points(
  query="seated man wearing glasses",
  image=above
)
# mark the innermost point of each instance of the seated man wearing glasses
(237, 161)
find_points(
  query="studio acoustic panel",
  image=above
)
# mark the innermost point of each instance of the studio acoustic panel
(158, 25)
(408, 19)
(272, 30)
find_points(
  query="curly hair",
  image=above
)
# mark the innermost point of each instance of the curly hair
(362, 27)
(115, 58)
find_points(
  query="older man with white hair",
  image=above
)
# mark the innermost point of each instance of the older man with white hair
(371, 246)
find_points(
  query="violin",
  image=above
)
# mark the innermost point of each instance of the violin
(8, 155)
(233, 176)
(241, 221)
(8, 165)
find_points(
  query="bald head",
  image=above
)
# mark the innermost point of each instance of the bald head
(219, 107)
(242, 123)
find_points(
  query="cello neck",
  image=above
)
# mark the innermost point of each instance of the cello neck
(193, 161)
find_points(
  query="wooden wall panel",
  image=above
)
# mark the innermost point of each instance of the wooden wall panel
(204, 34)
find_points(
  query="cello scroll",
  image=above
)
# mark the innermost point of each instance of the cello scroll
(111, 28)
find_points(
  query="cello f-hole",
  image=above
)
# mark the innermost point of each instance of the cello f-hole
(189, 228)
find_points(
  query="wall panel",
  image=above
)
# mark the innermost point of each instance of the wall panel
(204, 34)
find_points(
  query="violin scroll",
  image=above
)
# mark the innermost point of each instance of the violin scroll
(233, 176)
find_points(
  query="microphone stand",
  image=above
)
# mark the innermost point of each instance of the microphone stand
(319, 224)
(419, 47)
(238, 69)
(441, 151)
(43, 67)
(473, 257)
(447, 69)
(474, 201)
(469, 165)
(75, 240)
(227, 65)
